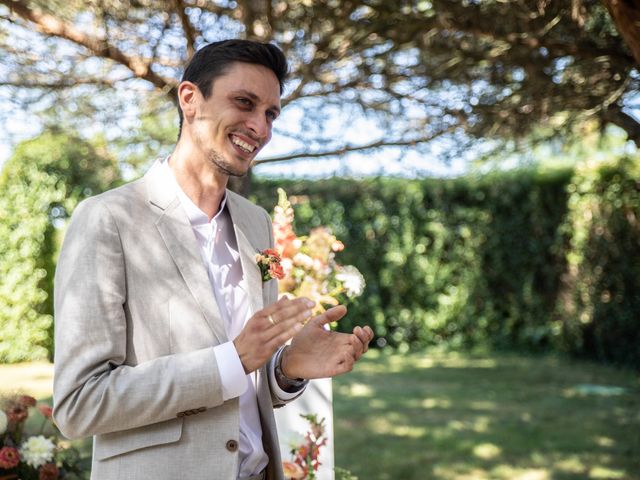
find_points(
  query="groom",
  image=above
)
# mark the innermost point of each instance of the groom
(169, 345)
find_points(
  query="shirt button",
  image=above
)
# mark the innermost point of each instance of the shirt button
(232, 445)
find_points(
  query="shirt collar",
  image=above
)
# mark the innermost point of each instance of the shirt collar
(196, 216)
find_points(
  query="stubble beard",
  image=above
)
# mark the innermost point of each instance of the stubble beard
(220, 163)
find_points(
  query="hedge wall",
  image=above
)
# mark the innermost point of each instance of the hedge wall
(39, 186)
(527, 259)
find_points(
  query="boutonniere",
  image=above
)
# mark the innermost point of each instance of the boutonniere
(269, 263)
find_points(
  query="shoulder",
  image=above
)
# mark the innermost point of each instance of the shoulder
(246, 207)
(117, 200)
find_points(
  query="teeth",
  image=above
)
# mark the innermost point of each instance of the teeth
(243, 145)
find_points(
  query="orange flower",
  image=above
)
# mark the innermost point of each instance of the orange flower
(292, 470)
(269, 264)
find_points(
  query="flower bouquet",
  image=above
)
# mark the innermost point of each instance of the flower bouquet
(33, 457)
(305, 463)
(308, 262)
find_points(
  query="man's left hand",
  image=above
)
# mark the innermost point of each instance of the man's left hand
(319, 353)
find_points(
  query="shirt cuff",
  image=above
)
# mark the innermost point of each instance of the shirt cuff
(275, 388)
(232, 376)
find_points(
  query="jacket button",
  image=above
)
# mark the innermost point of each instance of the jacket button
(232, 445)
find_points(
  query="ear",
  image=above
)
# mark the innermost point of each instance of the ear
(188, 94)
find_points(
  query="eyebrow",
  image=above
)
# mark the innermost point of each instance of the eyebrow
(255, 98)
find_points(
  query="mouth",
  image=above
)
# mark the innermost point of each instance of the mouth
(243, 144)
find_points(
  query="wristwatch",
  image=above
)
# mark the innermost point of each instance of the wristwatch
(286, 383)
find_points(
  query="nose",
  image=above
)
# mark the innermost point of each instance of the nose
(257, 122)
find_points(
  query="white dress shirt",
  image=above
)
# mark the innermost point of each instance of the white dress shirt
(219, 252)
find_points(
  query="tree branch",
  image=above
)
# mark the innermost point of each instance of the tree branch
(62, 84)
(50, 25)
(357, 148)
(626, 16)
(188, 28)
(614, 114)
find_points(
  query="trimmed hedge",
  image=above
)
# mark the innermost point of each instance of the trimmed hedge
(506, 260)
(526, 259)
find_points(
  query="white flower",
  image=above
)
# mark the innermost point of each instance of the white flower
(303, 260)
(37, 451)
(3, 422)
(352, 280)
(287, 265)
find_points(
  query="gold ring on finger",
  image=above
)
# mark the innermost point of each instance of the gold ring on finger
(271, 320)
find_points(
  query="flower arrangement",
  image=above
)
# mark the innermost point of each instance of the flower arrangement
(32, 457)
(269, 264)
(305, 463)
(308, 262)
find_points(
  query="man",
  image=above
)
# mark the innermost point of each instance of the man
(169, 345)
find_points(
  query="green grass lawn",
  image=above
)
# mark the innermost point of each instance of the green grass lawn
(457, 416)
(450, 416)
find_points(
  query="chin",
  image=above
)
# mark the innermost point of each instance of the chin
(232, 167)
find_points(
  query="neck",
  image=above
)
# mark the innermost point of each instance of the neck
(199, 179)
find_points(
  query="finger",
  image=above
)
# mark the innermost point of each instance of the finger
(363, 336)
(288, 317)
(332, 315)
(290, 322)
(359, 347)
(367, 329)
(278, 337)
(285, 308)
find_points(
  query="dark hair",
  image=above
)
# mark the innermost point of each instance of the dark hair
(214, 59)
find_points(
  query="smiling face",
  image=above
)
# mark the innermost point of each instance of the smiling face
(229, 128)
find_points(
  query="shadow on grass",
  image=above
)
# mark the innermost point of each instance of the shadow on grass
(492, 417)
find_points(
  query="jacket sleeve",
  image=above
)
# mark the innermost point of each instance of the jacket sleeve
(96, 389)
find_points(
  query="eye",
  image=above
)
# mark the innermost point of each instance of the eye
(271, 115)
(244, 101)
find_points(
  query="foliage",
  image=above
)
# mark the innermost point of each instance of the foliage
(26, 456)
(39, 187)
(502, 260)
(418, 69)
(309, 268)
(601, 292)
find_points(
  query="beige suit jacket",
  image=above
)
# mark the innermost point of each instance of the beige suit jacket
(135, 326)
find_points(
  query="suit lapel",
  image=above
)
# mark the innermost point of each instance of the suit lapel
(247, 250)
(176, 231)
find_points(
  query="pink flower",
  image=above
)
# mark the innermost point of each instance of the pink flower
(27, 401)
(45, 410)
(276, 271)
(270, 252)
(9, 457)
(17, 413)
(48, 471)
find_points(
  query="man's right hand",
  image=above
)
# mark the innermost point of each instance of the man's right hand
(269, 329)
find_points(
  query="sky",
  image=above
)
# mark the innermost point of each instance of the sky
(406, 163)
